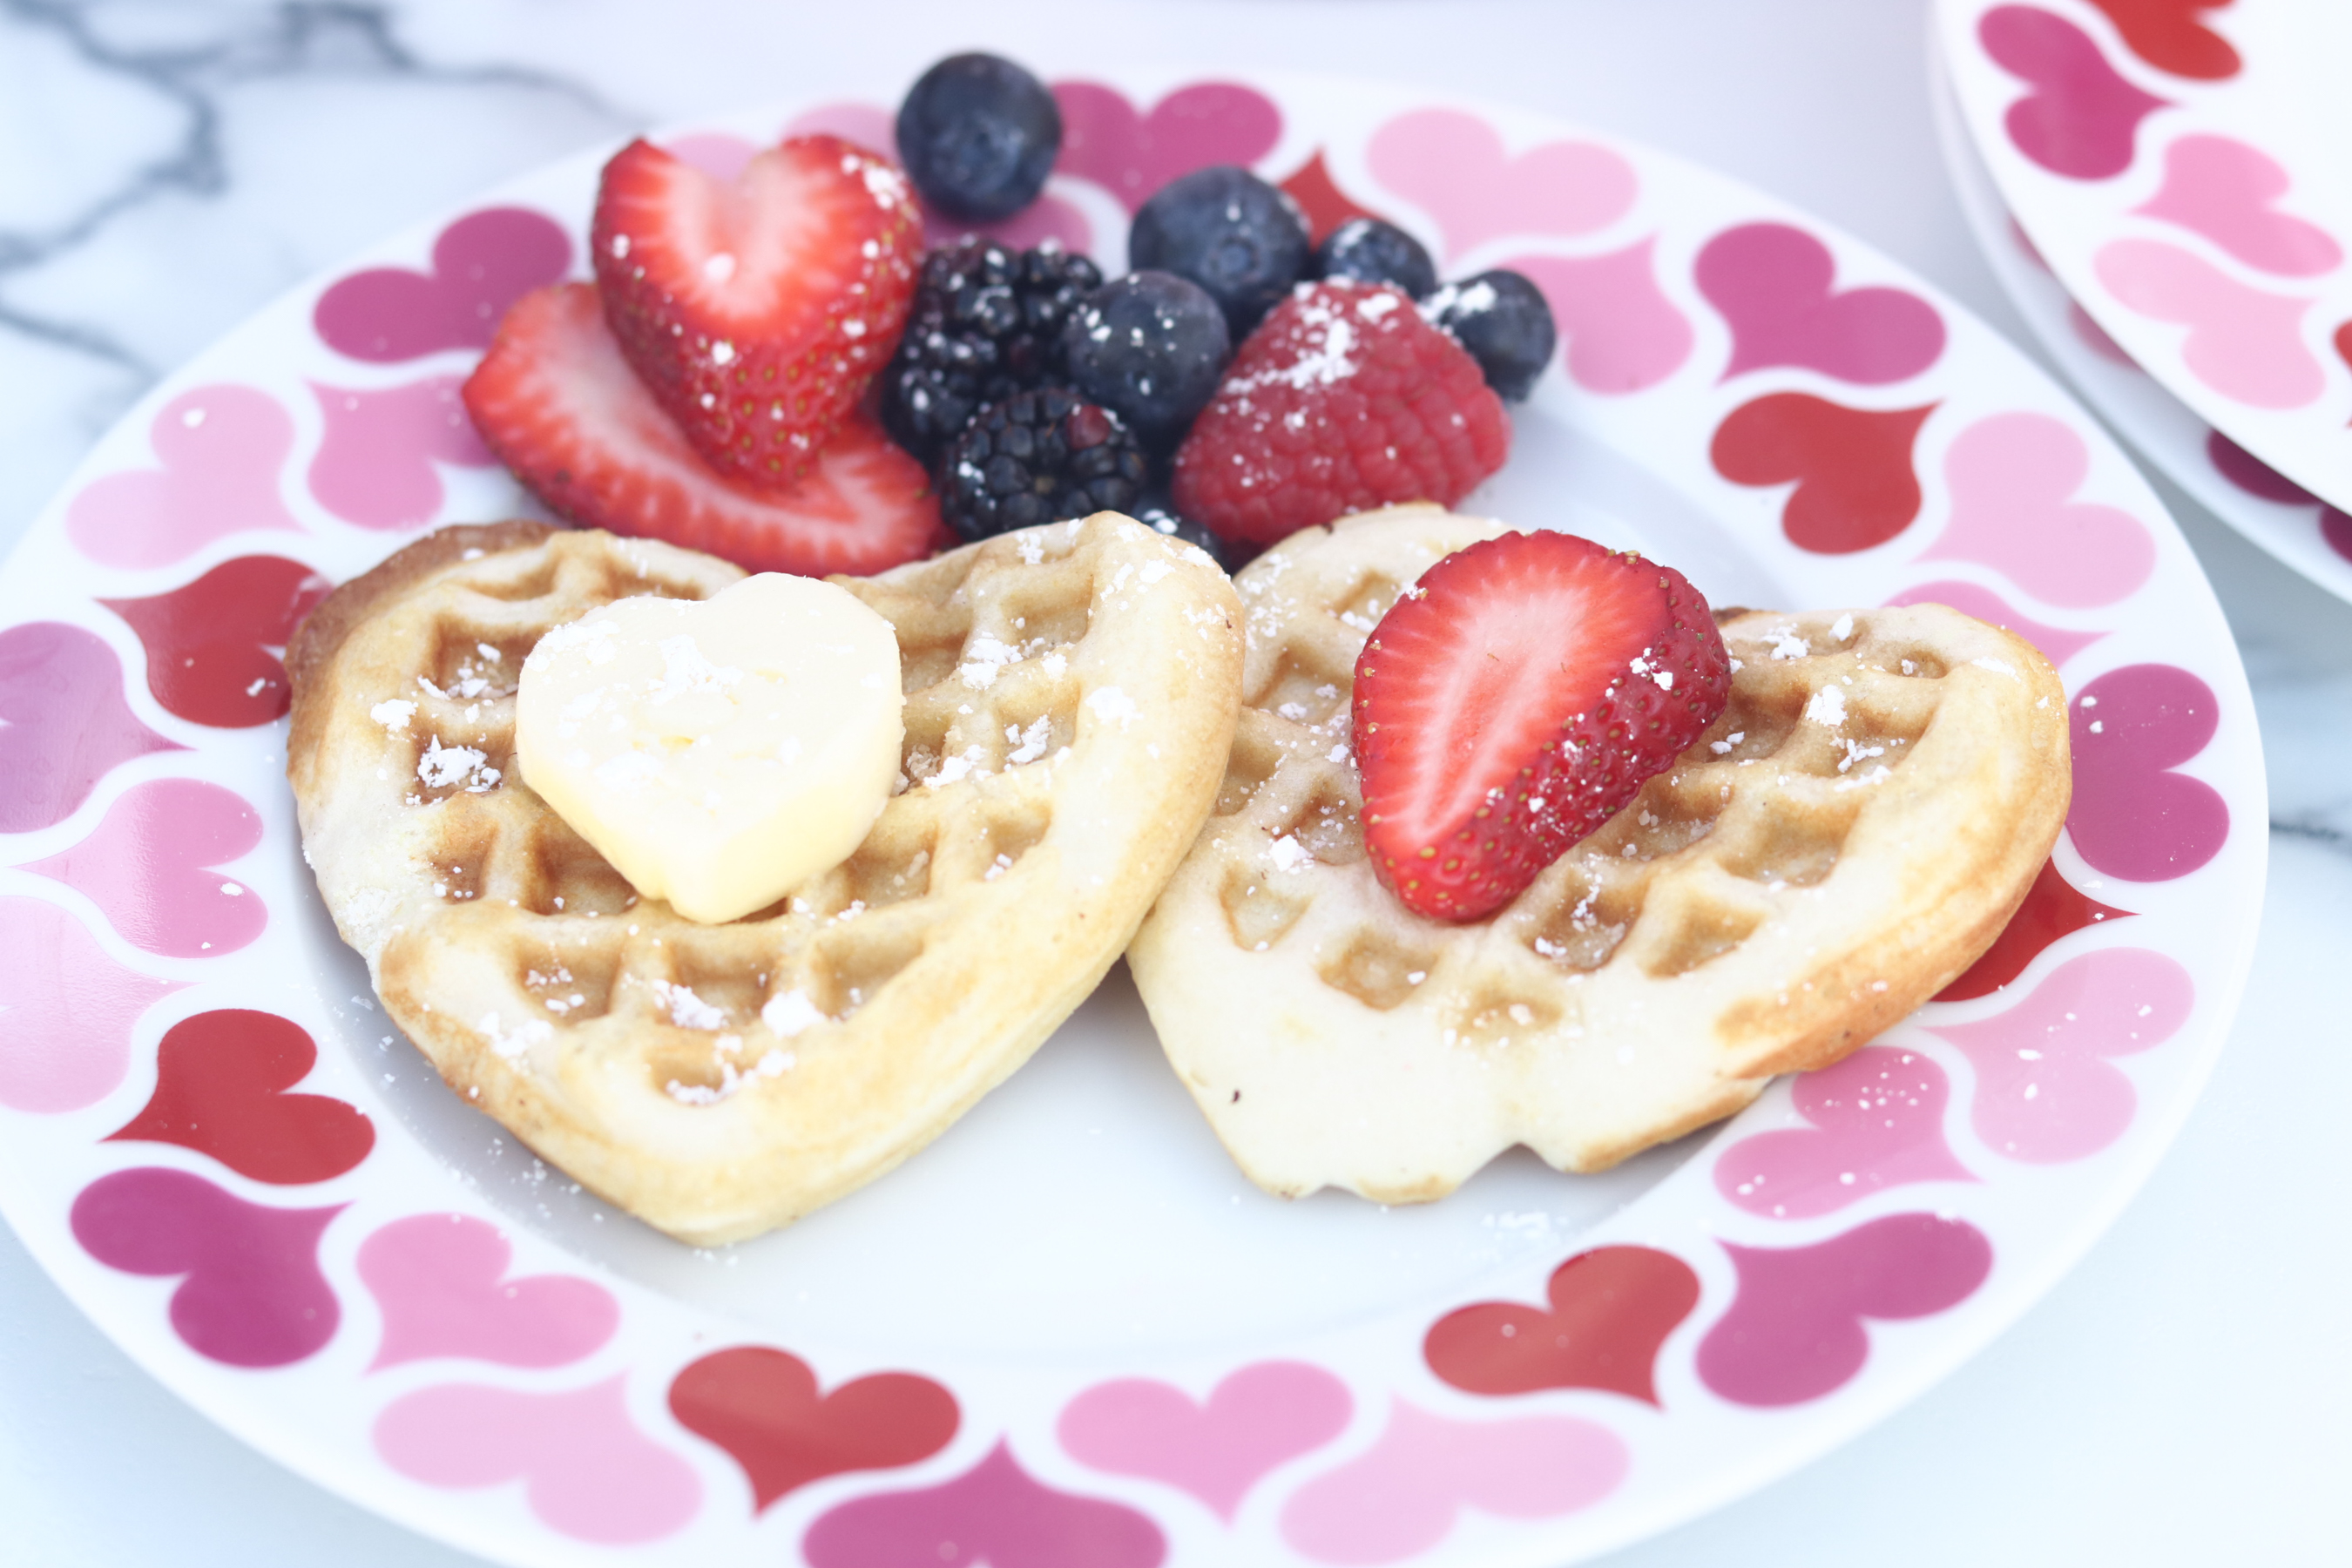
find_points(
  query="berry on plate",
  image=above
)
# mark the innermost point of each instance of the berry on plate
(1039, 457)
(1345, 399)
(1505, 321)
(1373, 251)
(1149, 347)
(1513, 700)
(986, 323)
(555, 400)
(757, 310)
(979, 135)
(1242, 239)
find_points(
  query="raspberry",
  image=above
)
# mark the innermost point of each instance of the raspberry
(1343, 399)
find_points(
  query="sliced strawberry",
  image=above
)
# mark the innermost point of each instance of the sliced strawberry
(1513, 700)
(559, 407)
(758, 308)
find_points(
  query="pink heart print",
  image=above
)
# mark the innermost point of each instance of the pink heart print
(64, 724)
(1253, 1421)
(1795, 1330)
(1774, 285)
(441, 1282)
(587, 1470)
(1623, 335)
(2011, 475)
(69, 1010)
(250, 1292)
(1131, 155)
(2057, 643)
(2045, 1094)
(374, 466)
(2081, 119)
(1402, 1496)
(2221, 188)
(482, 263)
(149, 865)
(1877, 1123)
(1454, 167)
(2242, 343)
(1047, 218)
(2132, 816)
(219, 450)
(994, 1515)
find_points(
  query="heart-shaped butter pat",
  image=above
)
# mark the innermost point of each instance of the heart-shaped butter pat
(717, 752)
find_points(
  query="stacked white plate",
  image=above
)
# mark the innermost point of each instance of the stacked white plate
(2161, 188)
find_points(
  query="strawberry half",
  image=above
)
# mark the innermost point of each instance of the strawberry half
(1516, 698)
(558, 404)
(758, 308)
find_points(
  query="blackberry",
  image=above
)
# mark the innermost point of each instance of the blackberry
(1150, 347)
(1038, 457)
(1371, 250)
(1227, 230)
(979, 135)
(1505, 321)
(986, 322)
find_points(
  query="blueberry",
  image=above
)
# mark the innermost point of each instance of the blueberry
(979, 135)
(1506, 324)
(1372, 251)
(1149, 347)
(1230, 232)
(1157, 512)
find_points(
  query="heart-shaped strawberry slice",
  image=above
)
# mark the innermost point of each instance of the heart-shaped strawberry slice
(756, 308)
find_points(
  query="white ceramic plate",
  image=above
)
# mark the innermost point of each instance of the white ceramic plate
(1070, 1335)
(2182, 169)
(2269, 508)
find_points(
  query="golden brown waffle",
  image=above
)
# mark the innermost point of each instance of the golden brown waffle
(1849, 835)
(1070, 699)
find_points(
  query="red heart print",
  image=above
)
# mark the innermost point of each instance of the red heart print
(149, 866)
(251, 1293)
(1131, 155)
(763, 1406)
(375, 462)
(1611, 1310)
(1402, 1496)
(2172, 36)
(1795, 1330)
(221, 1079)
(587, 1471)
(1855, 487)
(1454, 167)
(993, 1514)
(219, 451)
(2081, 119)
(2256, 478)
(215, 645)
(441, 1282)
(1318, 196)
(63, 723)
(2045, 1093)
(2053, 908)
(69, 1010)
(2133, 816)
(2057, 643)
(1877, 1123)
(482, 263)
(1774, 285)
(1254, 1419)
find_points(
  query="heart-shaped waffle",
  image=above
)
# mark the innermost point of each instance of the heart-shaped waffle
(1070, 697)
(1852, 831)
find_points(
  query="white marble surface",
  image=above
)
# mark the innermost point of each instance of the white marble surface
(167, 168)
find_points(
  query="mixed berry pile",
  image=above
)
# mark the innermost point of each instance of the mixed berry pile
(769, 366)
